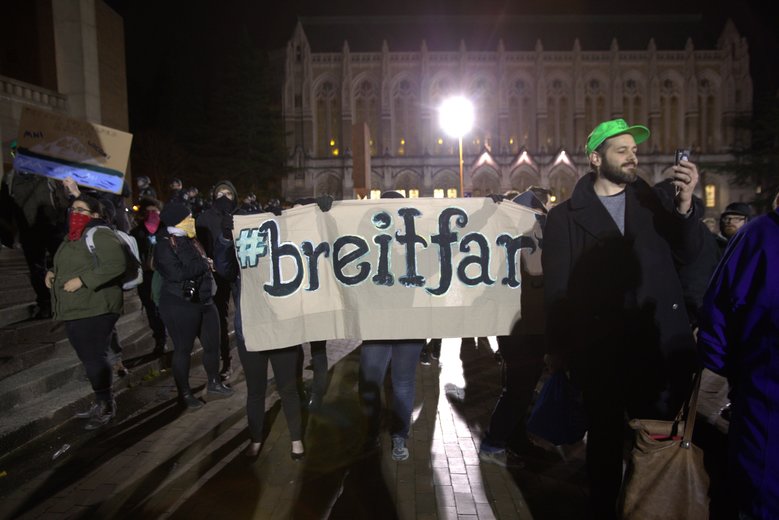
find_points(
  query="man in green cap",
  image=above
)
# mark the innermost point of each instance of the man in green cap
(615, 308)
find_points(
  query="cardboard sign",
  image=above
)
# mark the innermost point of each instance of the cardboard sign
(58, 146)
(383, 269)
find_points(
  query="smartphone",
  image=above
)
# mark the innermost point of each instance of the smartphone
(682, 154)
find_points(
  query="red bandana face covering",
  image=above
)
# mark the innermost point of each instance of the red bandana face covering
(76, 224)
(152, 222)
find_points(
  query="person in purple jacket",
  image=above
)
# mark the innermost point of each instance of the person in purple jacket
(739, 339)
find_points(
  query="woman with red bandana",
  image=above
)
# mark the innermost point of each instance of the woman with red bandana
(148, 222)
(86, 290)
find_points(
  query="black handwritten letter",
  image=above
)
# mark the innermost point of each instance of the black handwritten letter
(313, 262)
(513, 245)
(383, 276)
(444, 239)
(483, 260)
(410, 239)
(339, 262)
(278, 287)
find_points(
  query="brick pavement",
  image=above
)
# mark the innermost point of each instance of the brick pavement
(161, 463)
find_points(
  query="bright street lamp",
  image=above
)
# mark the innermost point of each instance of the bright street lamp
(456, 119)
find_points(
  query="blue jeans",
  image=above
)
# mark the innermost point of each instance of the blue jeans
(375, 357)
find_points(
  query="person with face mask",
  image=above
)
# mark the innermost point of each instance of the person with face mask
(186, 301)
(212, 224)
(148, 222)
(86, 290)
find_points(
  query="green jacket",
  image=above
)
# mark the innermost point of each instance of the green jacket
(100, 273)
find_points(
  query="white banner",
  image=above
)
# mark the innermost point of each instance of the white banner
(383, 269)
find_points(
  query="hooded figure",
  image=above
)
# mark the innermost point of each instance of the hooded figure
(214, 224)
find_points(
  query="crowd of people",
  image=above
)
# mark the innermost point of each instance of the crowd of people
(632, 295)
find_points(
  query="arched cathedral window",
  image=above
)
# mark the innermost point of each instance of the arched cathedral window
(670, 117)
(328, 112)
(558, 116)
(520, 115)
(485, 107)
(709, 116)
(366, 110)
(632, 105)
(405, 118)
(594, 104)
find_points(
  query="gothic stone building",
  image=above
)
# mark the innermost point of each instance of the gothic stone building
(538, 85)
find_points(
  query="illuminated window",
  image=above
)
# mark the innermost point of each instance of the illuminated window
(711, 195)
(402, 142)
(335, 152)
(402, 192)
(440, 141)
(375, 194)
(413, 194)
(511, 140)
(451, 193)
(438, 193)
(332, 142)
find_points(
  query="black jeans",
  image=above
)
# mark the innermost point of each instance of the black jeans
(39, 240)
(255, 367)
(222, 302)
(152, 312)
(185, 321)
(523, 359)
(319, 367)
(91, 338)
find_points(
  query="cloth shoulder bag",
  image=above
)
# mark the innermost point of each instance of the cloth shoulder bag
(666, 478)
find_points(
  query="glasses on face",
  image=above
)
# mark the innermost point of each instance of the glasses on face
(733, 219)
(77, 209)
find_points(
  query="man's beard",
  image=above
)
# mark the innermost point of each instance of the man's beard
(728, 230)
(618, 174)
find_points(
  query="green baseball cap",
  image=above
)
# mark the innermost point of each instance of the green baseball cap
(611, 128)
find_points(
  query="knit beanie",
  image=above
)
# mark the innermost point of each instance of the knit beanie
(173, 213)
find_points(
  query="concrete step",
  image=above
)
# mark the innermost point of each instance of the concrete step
(14, 313)
(41, 412)
(24, 344)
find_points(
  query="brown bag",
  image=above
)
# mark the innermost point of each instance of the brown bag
(666, 478)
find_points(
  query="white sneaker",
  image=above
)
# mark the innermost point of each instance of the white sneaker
(399, 450)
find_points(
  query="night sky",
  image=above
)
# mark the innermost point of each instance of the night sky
(175, 38)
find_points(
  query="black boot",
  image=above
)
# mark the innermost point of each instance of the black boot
(217, 389)
(190, 402)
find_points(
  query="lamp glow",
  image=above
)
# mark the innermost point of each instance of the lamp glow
(456, 119)
(456, 116)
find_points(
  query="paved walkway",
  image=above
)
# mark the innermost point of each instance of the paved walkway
(161, 463)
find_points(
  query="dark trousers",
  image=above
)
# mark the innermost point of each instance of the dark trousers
(255, 367)
(319, 367)
(91, 338)
(374, 361)
(151, 309)
(185, 321)
(523, 362)
(39, 240)
(222, 302)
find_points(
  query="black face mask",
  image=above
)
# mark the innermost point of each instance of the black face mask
(224, 204)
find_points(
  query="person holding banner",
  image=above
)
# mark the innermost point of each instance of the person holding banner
(87, 295)
(375, 357)
(39, 212)
(186, 301)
